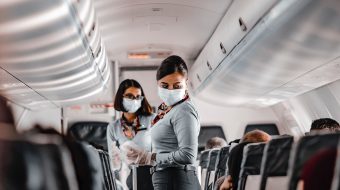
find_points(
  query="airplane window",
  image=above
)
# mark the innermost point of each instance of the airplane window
(208, 132)
(269, 128)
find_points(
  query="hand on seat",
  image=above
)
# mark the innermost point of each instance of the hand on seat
(135, 154)
(227, 183)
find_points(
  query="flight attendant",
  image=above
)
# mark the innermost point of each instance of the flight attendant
(133, 125)
(174, 132)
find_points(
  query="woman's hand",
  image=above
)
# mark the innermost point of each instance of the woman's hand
(136, 155)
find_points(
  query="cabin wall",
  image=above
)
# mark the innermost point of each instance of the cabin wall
(318, 103)
(25, 119)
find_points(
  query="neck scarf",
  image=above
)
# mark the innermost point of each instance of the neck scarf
(130, 129)
(163, 109)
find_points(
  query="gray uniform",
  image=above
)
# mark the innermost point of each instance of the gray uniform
(175, 137)
(142, 138)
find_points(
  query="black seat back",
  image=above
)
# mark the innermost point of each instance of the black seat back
(213, 153)
(92, 132)
(108, 180)
(305, 148)
(221, 162)
(204, 159)
(17, 158)
(276, 158)
(251, 162)
(87, 165)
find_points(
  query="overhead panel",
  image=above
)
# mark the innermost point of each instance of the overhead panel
(54, 48)
(290, 49)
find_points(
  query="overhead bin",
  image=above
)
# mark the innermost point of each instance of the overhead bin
(54, 49)
(264, 52)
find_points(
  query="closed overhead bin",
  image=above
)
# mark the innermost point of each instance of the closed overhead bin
(278, 50)
(54, 48)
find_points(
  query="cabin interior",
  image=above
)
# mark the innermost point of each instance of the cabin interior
(250, 62)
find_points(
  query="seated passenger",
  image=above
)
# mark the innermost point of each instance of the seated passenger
(215, 142)
(324, 125)
(235, 159)
(318, 171)
(8, 130)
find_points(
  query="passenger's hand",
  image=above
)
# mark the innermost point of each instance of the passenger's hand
(227, 183)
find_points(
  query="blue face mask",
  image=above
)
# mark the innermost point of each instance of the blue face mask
(131, 106)
(171, 97)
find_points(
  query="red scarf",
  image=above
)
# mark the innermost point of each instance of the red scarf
(130, 129)
(163, 109)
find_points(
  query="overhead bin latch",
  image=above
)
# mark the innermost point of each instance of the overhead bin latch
(242, 24)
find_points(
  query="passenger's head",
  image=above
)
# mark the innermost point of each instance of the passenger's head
(215, 142)
(318, 171)
(5, 112)
(256, 136)
(130, 98)
(172, 76)
(325, 124)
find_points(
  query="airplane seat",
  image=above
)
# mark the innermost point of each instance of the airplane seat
(221, 163)
(275, 163)
(19, 166)
(213, 153)
(87, 166)
(306, 147)
(251, 166)
(93, 133)
(57, 166)
(336, 177)
(109, 179)
(203, 163)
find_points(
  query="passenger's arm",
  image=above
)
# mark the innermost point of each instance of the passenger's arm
(186, 127)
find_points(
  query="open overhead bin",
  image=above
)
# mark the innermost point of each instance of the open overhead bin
(51, 51)
(266, 51)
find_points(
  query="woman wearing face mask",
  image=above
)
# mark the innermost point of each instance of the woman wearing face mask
(133, 125)
(174, 132)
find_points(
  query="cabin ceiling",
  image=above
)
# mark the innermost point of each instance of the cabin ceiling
(176, 26)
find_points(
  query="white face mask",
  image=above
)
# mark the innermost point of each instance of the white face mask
(171, 97)
(131, 106)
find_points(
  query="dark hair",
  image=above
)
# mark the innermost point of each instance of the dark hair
(171, 65)
(145, 109)
(325, 123)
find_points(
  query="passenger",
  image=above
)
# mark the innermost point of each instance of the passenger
(7, 127)
(215, 142)
(324, 125)
(318, 171)
(133, 125)
(235, 159)
(175, 131)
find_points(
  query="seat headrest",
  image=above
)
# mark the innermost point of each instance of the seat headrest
(91, 132)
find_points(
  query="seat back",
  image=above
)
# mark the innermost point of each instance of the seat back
(251, 163)
(336, 177)
(213, 153)
(203, 163)
(276, 160)
(93, 133)
(305, 148)
(87, 166)
(221, 162)
(109, 180)
(19, 166)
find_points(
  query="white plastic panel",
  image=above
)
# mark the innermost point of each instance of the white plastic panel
(53, 49)
(228, 34)
(284, 55)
